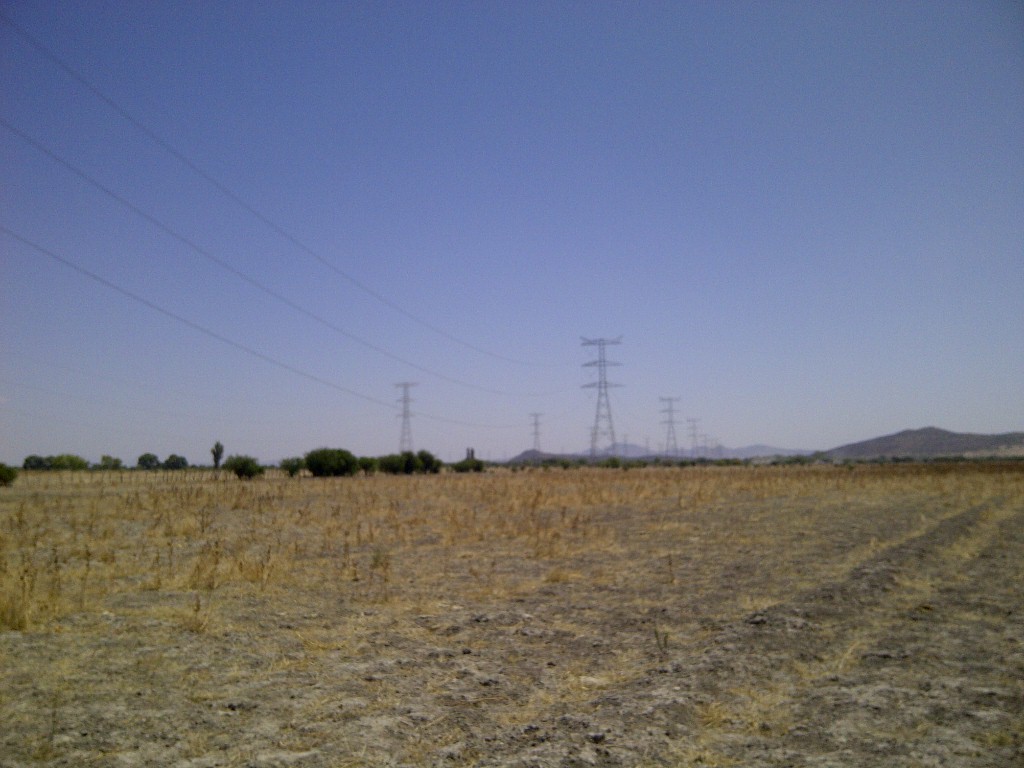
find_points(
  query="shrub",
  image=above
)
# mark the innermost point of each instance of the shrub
(245, 467)
(331, 462)
(35, 462)
(109, 463)
(429, 462)
(148, 461)
(63, 461)
(405, 463)
(369, 464)
(293, 465)
(7, 474)
(175, 462)
(468, 465)
(392, 464)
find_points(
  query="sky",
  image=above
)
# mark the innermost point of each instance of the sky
(248, 221)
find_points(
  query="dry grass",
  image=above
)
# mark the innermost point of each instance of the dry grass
(355, 590)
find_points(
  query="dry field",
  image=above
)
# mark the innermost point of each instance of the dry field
(797, 616)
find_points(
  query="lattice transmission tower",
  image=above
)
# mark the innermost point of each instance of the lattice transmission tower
(603, 416)
(692, 423)
(405, 441)
(536, 430)
(671, 446)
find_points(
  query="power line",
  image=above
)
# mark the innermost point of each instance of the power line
(185, 321)
(230, 342)
(604, 409)
(245, 277)
(238, 200)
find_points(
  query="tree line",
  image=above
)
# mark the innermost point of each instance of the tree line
(321, 462)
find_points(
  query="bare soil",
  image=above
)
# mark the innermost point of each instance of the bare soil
(661, 617)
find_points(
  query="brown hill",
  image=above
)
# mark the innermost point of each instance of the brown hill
(931, 442)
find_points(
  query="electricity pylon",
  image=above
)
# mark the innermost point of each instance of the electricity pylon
(671, 446)
(604, 409)
(536, 430)
(405, 441)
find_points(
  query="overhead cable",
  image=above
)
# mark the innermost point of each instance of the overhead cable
(184, 240)
(225, 340)
(238, 200)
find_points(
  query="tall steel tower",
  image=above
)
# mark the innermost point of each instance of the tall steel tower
(405, 441)
(671, 446)
(604, 409)
(692, 423)
(536, 430)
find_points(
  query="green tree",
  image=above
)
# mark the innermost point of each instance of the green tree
(409, 463)
(398, 463)
(391, 464)
(35, 462)
(68, 461)
(175, 462)
(430, 462)
(218, 453)
(148, 461)
(293, 465)
(369, 464)
(331, 462)
(468, 465)
(245, 467)
(109, 463)
(7, 474)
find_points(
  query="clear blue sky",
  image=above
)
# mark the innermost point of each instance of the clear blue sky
(805, 220)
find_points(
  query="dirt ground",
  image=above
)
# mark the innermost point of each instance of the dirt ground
(867, 616)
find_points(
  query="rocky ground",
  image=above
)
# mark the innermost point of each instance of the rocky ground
(837, 624)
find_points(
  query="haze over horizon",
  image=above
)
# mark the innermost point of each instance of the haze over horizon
(247, 221)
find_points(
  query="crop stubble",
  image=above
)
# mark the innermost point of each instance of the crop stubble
(804, 616)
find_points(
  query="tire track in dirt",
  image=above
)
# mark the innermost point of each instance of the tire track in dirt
(914, 659)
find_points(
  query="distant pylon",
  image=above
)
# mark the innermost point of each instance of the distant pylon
(536, 430)
(604, 409)
(693, 436)
(405, 441)
(671, 446)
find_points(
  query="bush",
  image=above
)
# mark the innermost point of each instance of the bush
(405, 463)
(293, 466)
(148, 461)
(245, 467)
(63, 461)
(35, 462)
(109, 463)
(392, 464)
(369, 464)
(331, 462)
(7, 474)
(468, 465)
(429, 462)
(175, 462)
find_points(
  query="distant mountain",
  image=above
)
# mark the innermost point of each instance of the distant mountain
(630, 451)
(533, 457)
(931, 442)
(757, 451)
